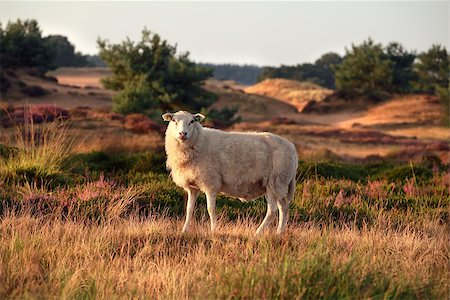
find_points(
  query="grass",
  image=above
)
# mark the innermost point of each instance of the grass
(36, 151)
(110, 228)
(152, 259)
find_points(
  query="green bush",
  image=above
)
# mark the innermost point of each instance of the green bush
(97, 162)
(405, 172)
(149, 75)
(222, 118)
(365, 71)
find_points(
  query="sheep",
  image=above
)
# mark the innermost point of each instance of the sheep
(243, 165)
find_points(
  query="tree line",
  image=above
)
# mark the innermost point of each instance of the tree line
(243, 74)
(150, 76)
(24, 46)
(374, 71)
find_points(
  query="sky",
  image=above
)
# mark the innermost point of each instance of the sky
(261, 33)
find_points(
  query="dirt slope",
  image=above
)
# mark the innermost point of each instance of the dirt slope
(68, 94)
(251, 108)
(400, 111)
(292, 92)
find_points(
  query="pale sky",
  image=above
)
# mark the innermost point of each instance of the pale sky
(262, 33)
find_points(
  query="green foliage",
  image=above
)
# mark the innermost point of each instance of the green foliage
(5, 83)
(96, 162)
(444, 97)
(405, 172)
(149, 74)
(22, 45)
(365, 71)
(64, 53)
(221, 118)
(402, 67)
(36, 154)
(432, 69)
(321, 72)
(135, 96)
(363, 172)
(244, 74)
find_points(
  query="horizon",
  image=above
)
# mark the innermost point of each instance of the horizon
(261, 33)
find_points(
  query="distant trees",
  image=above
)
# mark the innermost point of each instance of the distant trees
(321, 72)
(22, 45)
(64, 54)
(432, 68)
(243, 74)
(373, 71)
(402, 64)
(365, 71)
(150, 77)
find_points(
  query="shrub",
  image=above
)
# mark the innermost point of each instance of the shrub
(34, 114)
(100, 162)
(5, 83)
(432, 68)
(34, 91)
(444, 96)
(141, 124)
(222, 118)
(365, 71)
(149, 75)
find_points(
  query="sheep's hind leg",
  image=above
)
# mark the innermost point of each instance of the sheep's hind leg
(192, 196)
(270, 215)
(283, 208)
(211, 205)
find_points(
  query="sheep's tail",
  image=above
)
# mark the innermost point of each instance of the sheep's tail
(291, 190)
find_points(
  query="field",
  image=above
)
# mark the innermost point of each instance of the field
(88, 209)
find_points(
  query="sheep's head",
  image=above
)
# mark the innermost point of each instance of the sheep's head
(182, 124)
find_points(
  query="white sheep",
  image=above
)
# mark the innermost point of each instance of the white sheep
(240, 165)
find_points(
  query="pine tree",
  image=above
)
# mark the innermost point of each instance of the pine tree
(150, 77)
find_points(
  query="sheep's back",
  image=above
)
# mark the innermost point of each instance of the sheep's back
(249, 158)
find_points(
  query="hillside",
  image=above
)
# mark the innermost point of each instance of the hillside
(293, 92)
(67, 88)
(401, 128)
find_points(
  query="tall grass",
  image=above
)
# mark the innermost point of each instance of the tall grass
(152, 259)
(36, 150)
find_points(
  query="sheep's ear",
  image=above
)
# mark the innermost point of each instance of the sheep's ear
(198, 117)
(167, 117)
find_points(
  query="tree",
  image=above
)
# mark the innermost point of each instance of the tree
(365, 71)
(64, 53)
(402, 63)
(432, 70)
(326, 63)
(22, 45)
(321, 72)
(149, 75)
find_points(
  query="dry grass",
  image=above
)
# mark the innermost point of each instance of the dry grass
(38, 149)
(115, 141)
(151, 259)
(418, 110)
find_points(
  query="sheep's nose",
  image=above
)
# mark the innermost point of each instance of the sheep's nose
(183, 133)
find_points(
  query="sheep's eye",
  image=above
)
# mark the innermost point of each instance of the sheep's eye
(192, 122)
(175, 121)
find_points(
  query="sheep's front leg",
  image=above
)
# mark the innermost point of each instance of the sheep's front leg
(211, 205)
(192, 196)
